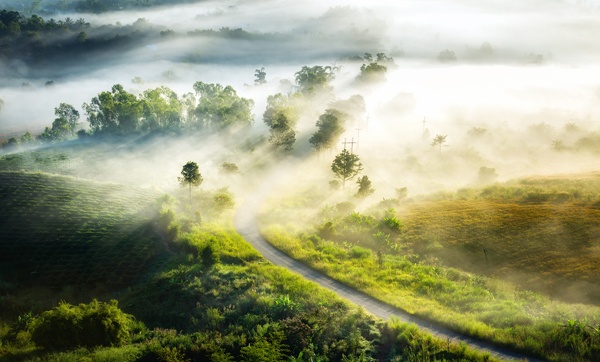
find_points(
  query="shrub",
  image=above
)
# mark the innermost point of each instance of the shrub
(364, 187)
(326, 231)
(360, 253)
(223, 201)
(390, 221)
(86, 325)
(228, 168)
(209, 256)
(314, 239)
(173, 231)
(297, 332)
(167, 354)
(166, 217)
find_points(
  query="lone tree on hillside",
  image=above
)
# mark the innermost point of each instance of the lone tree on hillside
(190, 177)
(439, 140)
(364, 187)
(345, 166)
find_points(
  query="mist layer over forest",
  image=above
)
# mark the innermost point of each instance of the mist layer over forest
(517, 63)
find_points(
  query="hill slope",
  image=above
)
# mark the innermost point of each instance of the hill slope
(543, 233)
(60, 231)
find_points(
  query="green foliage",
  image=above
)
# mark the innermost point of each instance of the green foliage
(61, 231)
(166, 217)
(209, 256)
(266, 350)
(223, 200)
(94, 324)
(260, 75)
(284, 306)
(116, 111)
(174, 354)
(219, 107)
(390, 222)
(364, 187)
(282, 115)
(541, 215)
(372, 73)
(162, 108)
(315, 79)
(327, 230)
(346, 166)
(26, 138)
(228, 168)
(330, 126)
(358, 252)
(60, 129)
(22, 323)
(11, 144)
(438, 140)
(282, 133)
(173, 231)
(190, 175)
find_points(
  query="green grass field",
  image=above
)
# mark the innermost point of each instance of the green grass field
(59, 231)
(540, 245)
(241, 308)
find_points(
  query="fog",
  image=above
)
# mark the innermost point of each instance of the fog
(540, 67)
(523, 71)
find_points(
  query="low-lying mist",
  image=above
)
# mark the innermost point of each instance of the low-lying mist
(511, 85)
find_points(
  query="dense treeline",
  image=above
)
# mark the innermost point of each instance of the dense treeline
(37, 41)
(211, 107)
(43, 7)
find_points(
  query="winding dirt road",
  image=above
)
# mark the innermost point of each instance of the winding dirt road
(246, 224)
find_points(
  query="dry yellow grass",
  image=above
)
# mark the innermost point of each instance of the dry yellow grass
(549, 247)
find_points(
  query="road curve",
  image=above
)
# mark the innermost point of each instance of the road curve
(246, 224)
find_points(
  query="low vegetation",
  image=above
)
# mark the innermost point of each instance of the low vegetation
(60, 231)
(428, 259)
(213, 299)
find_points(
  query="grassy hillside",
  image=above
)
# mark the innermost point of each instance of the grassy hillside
(427, 257)
(240, 308)
(59, 231)
(542, 233)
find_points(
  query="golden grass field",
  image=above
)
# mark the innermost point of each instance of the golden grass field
(547, 246)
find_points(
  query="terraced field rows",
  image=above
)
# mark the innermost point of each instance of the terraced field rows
(62, 231)
(560, 241)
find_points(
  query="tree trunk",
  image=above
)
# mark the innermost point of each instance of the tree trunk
(191, 199)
